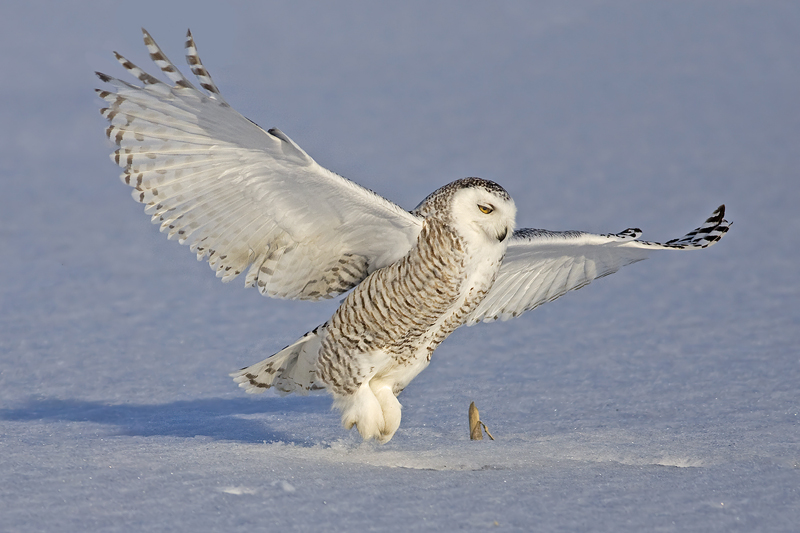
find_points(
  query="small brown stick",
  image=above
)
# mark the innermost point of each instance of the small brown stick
(487, 430)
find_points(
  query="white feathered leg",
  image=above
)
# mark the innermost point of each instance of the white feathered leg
(376, 414)
(391, 412)
(362, 410)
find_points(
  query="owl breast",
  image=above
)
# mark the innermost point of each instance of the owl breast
(387, 329)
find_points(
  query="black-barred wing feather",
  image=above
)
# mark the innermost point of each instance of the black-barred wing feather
(247, 200)
(542, 265)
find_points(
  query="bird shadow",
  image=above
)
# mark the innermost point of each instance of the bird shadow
(217, 418)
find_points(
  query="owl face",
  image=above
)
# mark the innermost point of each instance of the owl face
(483, 213)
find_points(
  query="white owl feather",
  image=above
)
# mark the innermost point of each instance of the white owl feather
(246, 199)
(253, 202)
(542, 265)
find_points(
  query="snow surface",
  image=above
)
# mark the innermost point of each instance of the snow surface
(663, 398)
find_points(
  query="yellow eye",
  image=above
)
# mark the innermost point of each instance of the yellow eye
(485, 209)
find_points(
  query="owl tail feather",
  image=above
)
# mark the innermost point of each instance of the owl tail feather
(292, 369)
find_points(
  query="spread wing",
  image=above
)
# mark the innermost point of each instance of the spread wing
(542, 265)
(245, 199)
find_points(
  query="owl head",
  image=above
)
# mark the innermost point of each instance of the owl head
(477, 208)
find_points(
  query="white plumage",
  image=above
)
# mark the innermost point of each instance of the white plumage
(253, 202)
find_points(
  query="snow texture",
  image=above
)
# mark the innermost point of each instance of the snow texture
(662, 398)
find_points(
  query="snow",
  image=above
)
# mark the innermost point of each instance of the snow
(662, 398)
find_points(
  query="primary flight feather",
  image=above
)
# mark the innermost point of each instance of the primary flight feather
(253, 203)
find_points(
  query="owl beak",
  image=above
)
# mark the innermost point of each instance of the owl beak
(501, 237)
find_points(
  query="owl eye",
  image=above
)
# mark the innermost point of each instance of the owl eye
(485, 209)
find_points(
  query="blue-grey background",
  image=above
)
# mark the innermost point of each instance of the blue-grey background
(663, 398)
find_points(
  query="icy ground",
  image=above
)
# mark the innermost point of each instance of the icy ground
(662, 398)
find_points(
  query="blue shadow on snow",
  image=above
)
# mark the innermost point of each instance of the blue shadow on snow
(214, 417)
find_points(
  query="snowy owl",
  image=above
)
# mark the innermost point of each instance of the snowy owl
(253, 202)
